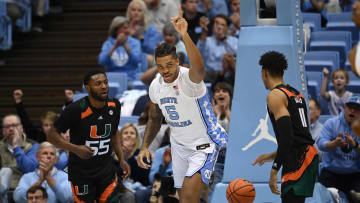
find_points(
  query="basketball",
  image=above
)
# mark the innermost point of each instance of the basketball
(240, 191)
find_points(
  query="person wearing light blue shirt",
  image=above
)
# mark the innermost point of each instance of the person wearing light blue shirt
(213, 9)
(214, 47)
(46, 175)
(341, 157)
(121, 52)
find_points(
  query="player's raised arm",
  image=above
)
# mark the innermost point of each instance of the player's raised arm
(152, 128)
(197, 69)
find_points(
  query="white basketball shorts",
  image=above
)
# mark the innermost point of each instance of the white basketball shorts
(186, 162)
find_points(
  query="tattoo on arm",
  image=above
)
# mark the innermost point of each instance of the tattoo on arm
(153, 125)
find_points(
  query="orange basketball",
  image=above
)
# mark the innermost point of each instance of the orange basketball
(240, 191)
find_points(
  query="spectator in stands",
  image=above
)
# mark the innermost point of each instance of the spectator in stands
(227, 73)
(315, 125)
(161, 165)
(235, 17)
(130, 146)
(222, 108)
(38, 7)
(193, 17)
(55, 181)
(141, 29)
(315, 6)
(121, 52)
(164, 191)
(69, 95)
(5, 180)
(213, 8)
(214, 47)
(222, 103)
(36, 194)
(346, 5)
(47, 119)
(337, 98)
(341, 157)
(160, 11)
(13, 144)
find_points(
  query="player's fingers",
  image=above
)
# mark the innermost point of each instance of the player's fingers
(180, 12)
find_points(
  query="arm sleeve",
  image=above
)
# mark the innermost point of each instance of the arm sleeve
(151, 38)
(62, 189)
(190, 88)
(63, 161)
(20, 191)
(31, 131)
(135, 51)
(285, 135)
(327, 134)
(26, 162)
(67, 118)
(104, 57)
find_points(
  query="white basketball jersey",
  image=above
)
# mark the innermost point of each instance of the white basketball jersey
(191, 119)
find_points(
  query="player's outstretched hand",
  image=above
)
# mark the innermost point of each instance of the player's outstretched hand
(125, 168)
(180, 23)
(84, 152)
(260, 160)
(144, 153)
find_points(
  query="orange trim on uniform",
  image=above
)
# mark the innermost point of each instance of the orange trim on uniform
(86, 113)
(76, 199)
(93, 130)
(107, 192)
(297, 174)
(290, 94)
(111, 104)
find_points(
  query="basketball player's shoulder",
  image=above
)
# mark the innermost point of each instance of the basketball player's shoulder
(78, 106)
(114, 103)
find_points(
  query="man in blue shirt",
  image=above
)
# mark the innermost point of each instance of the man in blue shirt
(341, 157)
(55, 181)
(214, 47)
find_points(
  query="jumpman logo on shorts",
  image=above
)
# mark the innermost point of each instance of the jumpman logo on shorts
(264, 133)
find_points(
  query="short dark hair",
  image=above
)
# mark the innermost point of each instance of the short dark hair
(228, 21)
(164, 50)
(317, 104)
(275, 62)
(35, 188)
(89, 74)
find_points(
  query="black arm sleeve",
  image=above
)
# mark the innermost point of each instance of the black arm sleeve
(285, 139)
(31, 131)
(67, 118)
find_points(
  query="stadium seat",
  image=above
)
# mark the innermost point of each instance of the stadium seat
(317, 60)
(314, 21)
(128, 119)
(118, 83)
(332, 41)
(5, 28)
(343, 22)
(24, 23)
(324, 106)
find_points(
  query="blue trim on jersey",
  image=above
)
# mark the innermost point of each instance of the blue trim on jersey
(216, 134)
(208, 168)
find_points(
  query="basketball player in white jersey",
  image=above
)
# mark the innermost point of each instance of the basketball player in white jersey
(179, 95)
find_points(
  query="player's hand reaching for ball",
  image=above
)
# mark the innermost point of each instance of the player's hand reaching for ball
(144, 153)
(180, 23)
(84, 152)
